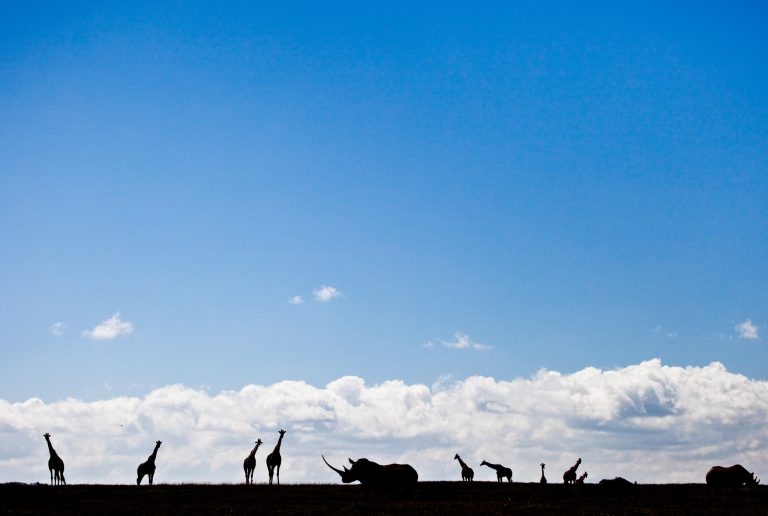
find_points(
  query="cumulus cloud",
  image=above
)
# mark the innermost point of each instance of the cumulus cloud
(296, 300)
(747, 330)
(109, 329)
(460, 341)
(646, 422)
(58, 328)
(326, 293)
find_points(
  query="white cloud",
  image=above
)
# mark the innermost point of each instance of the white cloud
(58, 328)
(325, 293)
(461, 341)
(646, 422)
(109, 329)
(747, 330)
(296, 300)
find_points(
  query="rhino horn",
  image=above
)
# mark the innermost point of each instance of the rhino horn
(351, 462)
(334, 469)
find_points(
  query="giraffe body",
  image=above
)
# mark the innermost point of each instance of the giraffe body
(467, 473)
(55, 464)
(148, 467)
(502, 472)
(274, 459)
(249, 464)
(569, 477)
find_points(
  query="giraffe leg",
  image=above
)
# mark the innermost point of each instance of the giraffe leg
(278, 474)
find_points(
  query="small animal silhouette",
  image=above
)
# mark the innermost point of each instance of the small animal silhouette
(502, 472)
(55, 464)
(249, 464)
(543, 478)
(467, 474)
(569, 477)
(580, 480)
(148, 467)
(274, 459)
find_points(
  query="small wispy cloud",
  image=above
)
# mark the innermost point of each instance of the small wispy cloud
(460, 341)
(747, 330)
(58, 328)
(109, 329)
(296, 300)
(326, 293)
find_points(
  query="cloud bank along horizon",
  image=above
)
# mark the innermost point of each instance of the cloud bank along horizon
(648, 422)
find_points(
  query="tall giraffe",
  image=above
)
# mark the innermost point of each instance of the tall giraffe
(55, 464)
(249, 464)
(543, 478)
(502, 472)
(274, 459)
(148, 467)
(467, 475)
(569, 477)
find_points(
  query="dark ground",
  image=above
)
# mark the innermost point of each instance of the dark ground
(427, 498)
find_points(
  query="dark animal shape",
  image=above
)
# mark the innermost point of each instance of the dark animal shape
(502, 472)
(543, 479)
(617, 483)
(580, 480)
(55, 464)
(371, 474)
(249, 464)
(733, 476)
(569, 477)
(467, 473)
(148, 466)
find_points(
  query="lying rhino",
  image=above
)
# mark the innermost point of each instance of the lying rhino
(369, 473)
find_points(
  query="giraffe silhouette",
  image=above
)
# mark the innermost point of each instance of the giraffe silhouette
(148, 467)
(502, 472)
(569, 477)
(580, 480)
(543, 478)
(55, 464)
(467, 474)
(274, 459)
(249, 464)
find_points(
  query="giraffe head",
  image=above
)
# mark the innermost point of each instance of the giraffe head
(282, 433)
(542, 465)
(46, 435)
(456, 457)
(258, 442)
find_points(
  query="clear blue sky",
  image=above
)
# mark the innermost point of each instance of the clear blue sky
(572, 184)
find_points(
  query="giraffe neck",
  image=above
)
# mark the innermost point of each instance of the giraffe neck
(462, 463)
(253, 452)
(50, 447)
(154, 453)
(277, 446)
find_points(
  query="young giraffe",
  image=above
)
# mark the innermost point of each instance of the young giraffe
(467, 475)
(502, 472)
(580, 480)
(274, 460)
(569, 477)
(55, 464)
(249, 464)
(543, 478)
(148, 467)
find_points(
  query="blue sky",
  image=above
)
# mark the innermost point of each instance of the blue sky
(566, 185)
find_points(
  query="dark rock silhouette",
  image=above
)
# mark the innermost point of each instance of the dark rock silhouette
(274, 459)
(467, 473)
(733, 476)
(569, 477)
(543, 479)
(371, 474)
(249, 464)
(502, 472)
(148, 467)
(55, 464)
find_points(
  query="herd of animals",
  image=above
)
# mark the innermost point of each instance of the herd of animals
(370, 473)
